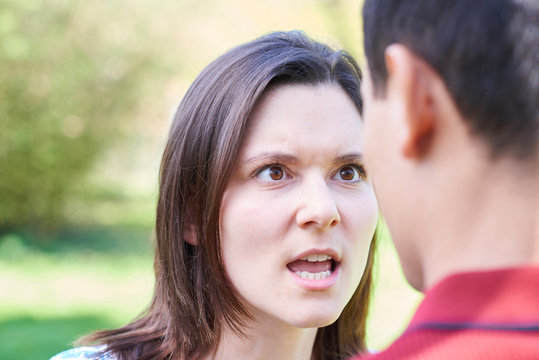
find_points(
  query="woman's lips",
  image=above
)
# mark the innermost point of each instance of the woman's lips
(315, 267)
(315, 281)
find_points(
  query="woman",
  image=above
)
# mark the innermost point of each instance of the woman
(265, 214)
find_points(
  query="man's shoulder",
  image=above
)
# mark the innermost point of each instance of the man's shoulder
(473, 344)
(476, 315)
(84, 353)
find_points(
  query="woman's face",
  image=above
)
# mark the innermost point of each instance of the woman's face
(299, 211)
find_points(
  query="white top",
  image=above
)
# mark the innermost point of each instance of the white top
(84, 353)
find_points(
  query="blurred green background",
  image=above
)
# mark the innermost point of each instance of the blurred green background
(87, 91)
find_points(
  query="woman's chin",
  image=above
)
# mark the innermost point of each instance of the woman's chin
(314, 320)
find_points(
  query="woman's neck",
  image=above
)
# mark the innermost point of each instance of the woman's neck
(266, 341)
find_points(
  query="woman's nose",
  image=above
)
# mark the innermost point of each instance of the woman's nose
(317, 207)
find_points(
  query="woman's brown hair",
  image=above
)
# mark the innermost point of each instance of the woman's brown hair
(193, 298)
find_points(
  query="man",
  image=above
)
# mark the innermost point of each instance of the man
(451, 97)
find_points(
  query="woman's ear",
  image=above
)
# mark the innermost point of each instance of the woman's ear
(409, 83)
(190, 233)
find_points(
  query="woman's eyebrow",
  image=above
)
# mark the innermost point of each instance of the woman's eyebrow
(272, 157)
(278, 157)
(350, 158)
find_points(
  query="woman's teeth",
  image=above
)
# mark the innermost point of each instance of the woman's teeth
(316, 257)
(313, 276)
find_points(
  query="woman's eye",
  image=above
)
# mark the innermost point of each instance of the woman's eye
(349, 173)
(272, 173)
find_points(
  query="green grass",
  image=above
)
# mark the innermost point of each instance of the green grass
(87, 280)
(97, 278)
(27, 337)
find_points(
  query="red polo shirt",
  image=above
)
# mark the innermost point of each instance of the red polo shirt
(478, 315)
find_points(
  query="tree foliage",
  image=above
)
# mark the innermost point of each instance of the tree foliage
(66, 85)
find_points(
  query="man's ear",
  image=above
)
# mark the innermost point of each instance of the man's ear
(408, 82)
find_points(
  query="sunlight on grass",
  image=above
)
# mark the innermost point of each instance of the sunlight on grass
(46, 287)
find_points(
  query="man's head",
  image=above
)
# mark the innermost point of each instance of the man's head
(452, 87)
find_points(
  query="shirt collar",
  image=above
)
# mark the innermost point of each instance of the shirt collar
(498, 299)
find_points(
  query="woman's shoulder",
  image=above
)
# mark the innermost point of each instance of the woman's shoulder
(84, 353)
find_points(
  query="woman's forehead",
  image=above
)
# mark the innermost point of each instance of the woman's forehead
(303, 118)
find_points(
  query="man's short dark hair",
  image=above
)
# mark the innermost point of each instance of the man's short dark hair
(486, 52)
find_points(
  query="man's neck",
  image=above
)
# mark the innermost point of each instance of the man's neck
(492, 224)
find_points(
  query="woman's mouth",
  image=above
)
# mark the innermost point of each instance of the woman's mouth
(313, 267)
